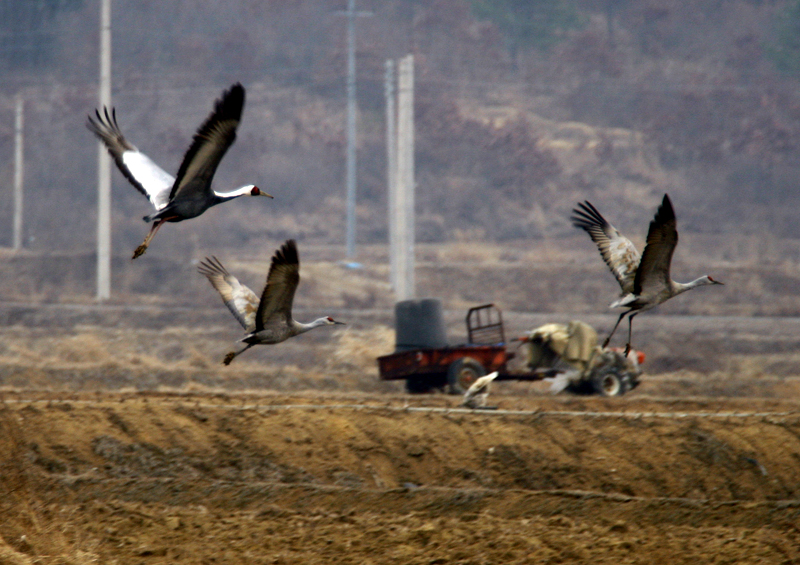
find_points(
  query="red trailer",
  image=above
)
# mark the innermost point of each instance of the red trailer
(456, 367)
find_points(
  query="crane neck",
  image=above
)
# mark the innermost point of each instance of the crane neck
(241, 191)
(679, 288)
(300, 327)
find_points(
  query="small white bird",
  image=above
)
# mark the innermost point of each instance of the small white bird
(190, 194)
(478, 392)
(645, 280)
(268, 320)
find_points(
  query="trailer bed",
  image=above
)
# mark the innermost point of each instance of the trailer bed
(405, 364)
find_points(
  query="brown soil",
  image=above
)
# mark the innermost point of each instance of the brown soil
(123, 440)
(389, 478)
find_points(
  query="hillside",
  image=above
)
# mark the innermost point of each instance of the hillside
(622, 105)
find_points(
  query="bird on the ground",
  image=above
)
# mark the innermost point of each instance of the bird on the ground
(645, 280)
(269, 319)
(189, 194)
(478, 393)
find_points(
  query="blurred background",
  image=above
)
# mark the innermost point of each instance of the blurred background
(523, 108)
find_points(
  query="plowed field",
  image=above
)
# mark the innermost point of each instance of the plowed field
(390, 478)
(124, 440)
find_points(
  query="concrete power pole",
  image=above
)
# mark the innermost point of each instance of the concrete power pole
(104, 163)
(350, 232)
(391, 169)
(19, 170)
(404, 203)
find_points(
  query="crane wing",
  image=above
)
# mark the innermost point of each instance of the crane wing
(653, 274)
(240, 300)
(481, 385)
(148, 178)
(282, 281)
(617, 251)
(209, 144)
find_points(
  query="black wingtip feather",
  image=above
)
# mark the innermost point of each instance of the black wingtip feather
(287, 254)
(104, 124)
(586, 216)
(664, 215)
(230, 104)
(211, 266)
(94, 125)
(665, 212)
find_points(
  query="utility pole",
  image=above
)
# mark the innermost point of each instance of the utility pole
(19, 170)
(405, 179)
(104, 162)
(350, 232)
(391, 169)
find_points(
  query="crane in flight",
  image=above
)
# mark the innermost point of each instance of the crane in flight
(189, 194)
(268, 319)
(645, 280)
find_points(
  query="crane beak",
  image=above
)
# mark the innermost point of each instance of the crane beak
(339, 323)
(258, 192)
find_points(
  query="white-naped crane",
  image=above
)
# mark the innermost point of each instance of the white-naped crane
(189, 194)
(269, 319)
(645, 280)
(478, 393)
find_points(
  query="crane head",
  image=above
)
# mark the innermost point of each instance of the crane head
(255, 191)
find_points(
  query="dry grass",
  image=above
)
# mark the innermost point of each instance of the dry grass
(563, 274)
(685, 357)
(357, 349)
(181, 358)
(153, 348)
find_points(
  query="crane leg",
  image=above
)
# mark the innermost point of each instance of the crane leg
(230, 356)
(605, 343)
(630, 329)
(143, 247)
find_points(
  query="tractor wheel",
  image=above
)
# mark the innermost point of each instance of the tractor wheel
(610, 381)
(462, 373)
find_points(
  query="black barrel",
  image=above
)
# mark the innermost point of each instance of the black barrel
(419, 324)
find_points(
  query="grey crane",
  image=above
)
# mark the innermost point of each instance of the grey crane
(269, 319)
(189, 194)
(645, 280)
